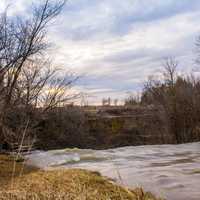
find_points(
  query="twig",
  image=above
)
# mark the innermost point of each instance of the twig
(18, 153)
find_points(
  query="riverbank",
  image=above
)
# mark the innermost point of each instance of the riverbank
(60, 184)
(169, 171)
(105, 127)
(93, 128)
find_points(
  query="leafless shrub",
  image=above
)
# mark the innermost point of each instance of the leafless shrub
(132, 100)
(179, 96)
(28, 82)
(23, 39)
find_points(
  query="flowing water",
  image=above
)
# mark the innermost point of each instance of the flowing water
(170, 171)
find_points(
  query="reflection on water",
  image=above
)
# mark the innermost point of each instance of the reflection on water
(172, 171)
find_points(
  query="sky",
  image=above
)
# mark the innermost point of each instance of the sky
(116, 45)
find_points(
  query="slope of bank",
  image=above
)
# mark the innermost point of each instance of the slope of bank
(95, 128)
(60, 184)
(109, 127)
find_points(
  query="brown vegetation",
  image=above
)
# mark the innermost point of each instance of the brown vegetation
(29, 85)
(61, 184)
(179, 97)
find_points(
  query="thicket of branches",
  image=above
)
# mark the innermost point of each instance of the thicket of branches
(29, 84)
(179, 96)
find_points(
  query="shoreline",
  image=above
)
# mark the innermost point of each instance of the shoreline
(70, 184)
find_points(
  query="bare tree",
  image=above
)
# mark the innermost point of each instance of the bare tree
(104, 101)
(109, 101)
(57, 91)
(116, 102)
(22, 43)
(132, 100)
(170, 69)
(23, 39)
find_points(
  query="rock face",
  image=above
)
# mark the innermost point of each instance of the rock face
(130, 126)
(102, 127)
(106, 127)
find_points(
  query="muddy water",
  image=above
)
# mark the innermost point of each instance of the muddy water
(171, 171)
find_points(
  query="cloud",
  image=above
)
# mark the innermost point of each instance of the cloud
(91, 19)
(14, 7)
(117, 44)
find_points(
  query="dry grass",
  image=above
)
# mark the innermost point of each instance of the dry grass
(6, 169)
(72, 184)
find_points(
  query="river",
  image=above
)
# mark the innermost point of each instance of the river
(169, 171)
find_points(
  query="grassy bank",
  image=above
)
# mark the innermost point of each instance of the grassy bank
(72, 184)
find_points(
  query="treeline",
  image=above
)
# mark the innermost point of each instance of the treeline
(178, 96)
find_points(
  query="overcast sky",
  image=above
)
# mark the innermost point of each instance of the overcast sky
(117, 44)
